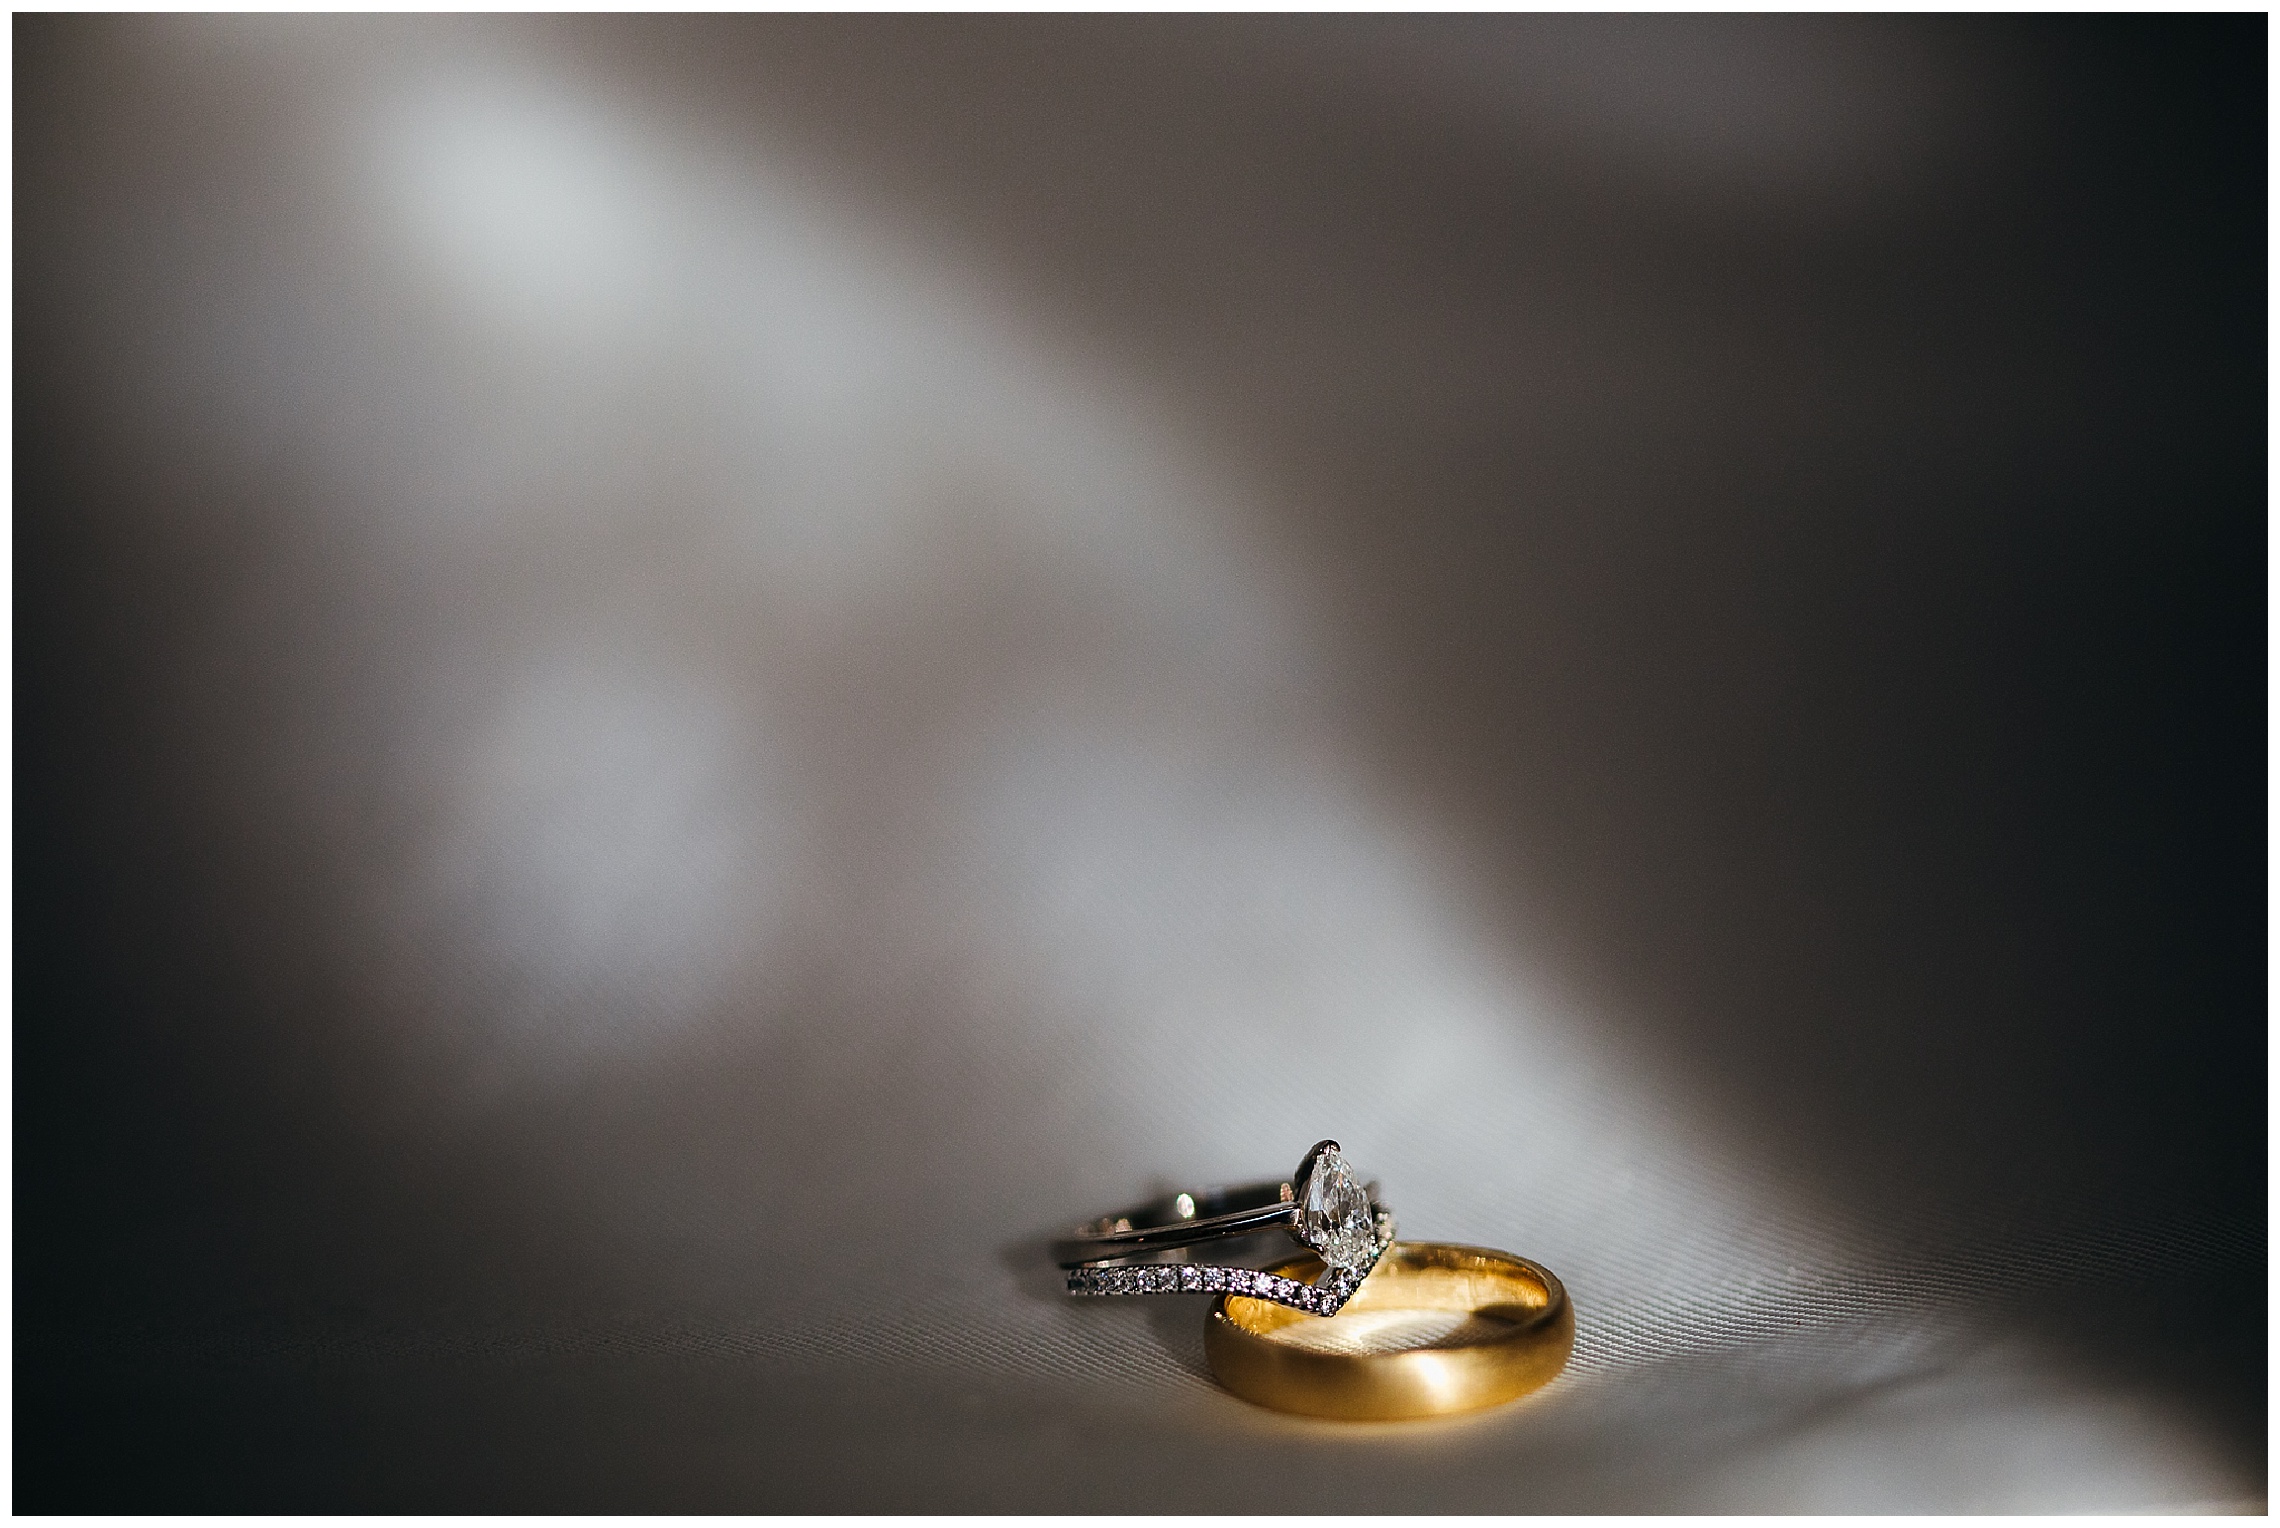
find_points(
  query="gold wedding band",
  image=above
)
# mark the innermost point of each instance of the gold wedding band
(1437, 1329)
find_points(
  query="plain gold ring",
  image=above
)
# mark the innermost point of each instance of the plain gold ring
(1436, 1330)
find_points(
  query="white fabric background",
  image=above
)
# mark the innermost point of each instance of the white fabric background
(780, 778)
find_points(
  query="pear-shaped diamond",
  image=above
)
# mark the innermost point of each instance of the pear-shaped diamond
(1335, 1220)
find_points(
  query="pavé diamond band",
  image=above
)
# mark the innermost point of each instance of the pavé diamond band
(1320, 1206)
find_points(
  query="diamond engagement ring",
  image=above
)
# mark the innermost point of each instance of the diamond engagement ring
(1321, 1207)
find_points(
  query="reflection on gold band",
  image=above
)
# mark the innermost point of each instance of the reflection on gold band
(1435, 1330)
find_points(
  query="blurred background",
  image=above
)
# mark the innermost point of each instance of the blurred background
(680, 681)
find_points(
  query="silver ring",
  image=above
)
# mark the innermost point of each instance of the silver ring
(1143, 1250)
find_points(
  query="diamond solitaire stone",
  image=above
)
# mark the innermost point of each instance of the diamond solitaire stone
(1336, 1219)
